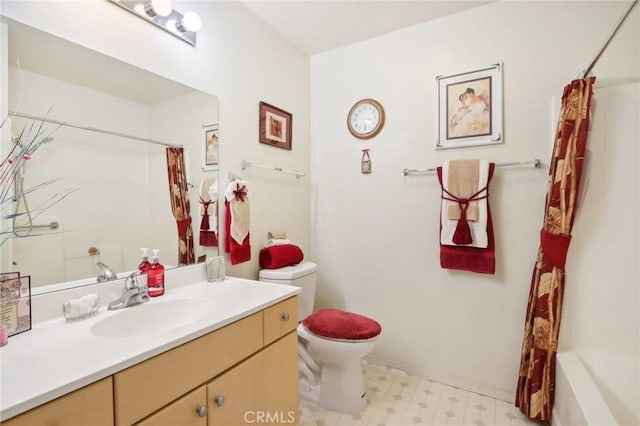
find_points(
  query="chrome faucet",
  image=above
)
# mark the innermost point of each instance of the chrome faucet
(134, 293)
(106, 273)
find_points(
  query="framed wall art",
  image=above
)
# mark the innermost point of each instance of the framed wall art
(210, 147)
(470, 108)
(275, 126)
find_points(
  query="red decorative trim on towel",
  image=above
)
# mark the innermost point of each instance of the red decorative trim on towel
(462, 235)
(240, 192)
(472, 259)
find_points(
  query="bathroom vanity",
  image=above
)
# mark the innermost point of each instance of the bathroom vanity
(231, 364)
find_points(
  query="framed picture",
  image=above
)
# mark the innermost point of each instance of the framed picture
(210, 147)
(470, 108)
(275, 126)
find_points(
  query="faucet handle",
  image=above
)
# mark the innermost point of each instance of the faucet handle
(131, 282)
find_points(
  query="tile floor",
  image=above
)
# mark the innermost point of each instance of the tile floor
(399, 399)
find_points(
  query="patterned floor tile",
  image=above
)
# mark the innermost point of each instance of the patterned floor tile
(396, 398)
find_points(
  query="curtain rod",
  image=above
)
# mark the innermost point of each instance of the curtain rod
(535, 163)
(92, 129)
(606, 44)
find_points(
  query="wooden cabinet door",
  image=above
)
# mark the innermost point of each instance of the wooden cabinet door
(190, 410)
(90, 405)
(261, 390)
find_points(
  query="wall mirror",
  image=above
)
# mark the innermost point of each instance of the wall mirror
(110, 191)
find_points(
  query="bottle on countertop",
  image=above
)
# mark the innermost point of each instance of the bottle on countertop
(155, 280)
(145, 265)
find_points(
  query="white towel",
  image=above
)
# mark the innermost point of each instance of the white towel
(239, 210)
(277, 242)
(479, 227)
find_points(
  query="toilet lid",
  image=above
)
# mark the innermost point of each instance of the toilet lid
(337, 324)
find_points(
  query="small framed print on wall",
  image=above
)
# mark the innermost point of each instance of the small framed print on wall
(210, 147)
(275, 126)
(470, 108)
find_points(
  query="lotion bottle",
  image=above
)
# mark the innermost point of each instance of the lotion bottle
(155, 280)
(145, 265)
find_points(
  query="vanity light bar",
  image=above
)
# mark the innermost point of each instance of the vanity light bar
(175, 23)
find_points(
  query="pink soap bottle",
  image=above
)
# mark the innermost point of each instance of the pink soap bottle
(145, 265)
(155, 279)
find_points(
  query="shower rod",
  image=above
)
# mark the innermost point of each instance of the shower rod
(595, 60)
(92, 129)
(535, 163)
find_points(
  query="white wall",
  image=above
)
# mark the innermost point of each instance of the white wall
(239, 59)
(375, 237)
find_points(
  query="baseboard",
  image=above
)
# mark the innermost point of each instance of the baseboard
(445, 379)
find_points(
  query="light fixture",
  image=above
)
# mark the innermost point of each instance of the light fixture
(161, 14)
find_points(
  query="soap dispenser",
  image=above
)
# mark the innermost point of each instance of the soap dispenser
(155, 280)
(145, 265)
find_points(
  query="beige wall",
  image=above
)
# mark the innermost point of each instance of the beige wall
(376, 236)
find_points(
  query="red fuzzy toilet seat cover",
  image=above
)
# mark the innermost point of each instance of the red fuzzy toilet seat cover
(337, 324)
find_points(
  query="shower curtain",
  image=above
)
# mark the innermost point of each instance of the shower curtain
(180, 206)
(536, 379)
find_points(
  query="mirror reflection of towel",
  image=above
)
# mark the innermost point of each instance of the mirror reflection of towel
(209, 213)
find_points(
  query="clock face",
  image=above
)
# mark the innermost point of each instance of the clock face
(366, 118)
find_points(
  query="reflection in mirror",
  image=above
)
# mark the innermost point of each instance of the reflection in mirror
(113, 190)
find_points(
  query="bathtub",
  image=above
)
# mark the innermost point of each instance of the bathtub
(591, 396)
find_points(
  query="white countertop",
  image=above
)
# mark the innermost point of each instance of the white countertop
(56, 357)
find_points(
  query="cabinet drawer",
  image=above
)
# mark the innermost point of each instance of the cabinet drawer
(144, 388)
(91, 405)
(280, 319)
(183, 412)
(261, 390)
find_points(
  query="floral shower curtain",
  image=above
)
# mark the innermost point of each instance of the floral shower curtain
(536, 379)
(179, 193)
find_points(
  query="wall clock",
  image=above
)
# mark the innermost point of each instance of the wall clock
(365, 119)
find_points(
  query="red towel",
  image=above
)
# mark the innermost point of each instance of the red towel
(473, 259)
(280, 256)
(238, 253)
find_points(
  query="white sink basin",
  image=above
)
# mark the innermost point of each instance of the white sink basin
(152, 317)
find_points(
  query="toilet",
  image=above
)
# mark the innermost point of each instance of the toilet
(331, 344)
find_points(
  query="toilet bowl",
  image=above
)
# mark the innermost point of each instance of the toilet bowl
(331, 343)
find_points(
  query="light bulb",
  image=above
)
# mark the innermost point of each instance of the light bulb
(159, 7)
(189, 22)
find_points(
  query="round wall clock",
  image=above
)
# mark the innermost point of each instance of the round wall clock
(365, 119)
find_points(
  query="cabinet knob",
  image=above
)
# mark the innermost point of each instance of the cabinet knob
(219, 400)
(202, 411)
(285, 317)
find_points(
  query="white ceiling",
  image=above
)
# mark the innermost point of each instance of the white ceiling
(321, 25)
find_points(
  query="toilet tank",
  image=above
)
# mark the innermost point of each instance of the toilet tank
(302, 275)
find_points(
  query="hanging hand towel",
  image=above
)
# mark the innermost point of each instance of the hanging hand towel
(464, 203)
(279, 256)
(466, 228)
(237, 242)
(209, 212)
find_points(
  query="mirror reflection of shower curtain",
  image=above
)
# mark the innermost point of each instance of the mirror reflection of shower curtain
(180, 205)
